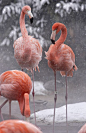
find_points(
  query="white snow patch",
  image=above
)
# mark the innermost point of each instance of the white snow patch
(76, 112)
(64, 8)
(39, 88)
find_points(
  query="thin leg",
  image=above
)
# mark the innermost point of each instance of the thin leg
(1, 115)
(1, 107)
(55, 99)
(9, 109)
(66, 102)
(33, 93)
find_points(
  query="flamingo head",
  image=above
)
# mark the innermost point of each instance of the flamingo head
(27, 10)
(55, 29)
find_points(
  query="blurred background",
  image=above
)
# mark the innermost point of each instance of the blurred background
(72, 13)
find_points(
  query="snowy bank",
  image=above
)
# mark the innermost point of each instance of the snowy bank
(76, 112)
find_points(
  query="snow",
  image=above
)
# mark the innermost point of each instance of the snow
(6, 42)
(63, 8)
(39, 88)
(76, 112)
(11, 9)
(37, 4)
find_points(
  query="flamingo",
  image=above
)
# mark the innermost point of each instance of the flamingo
(18, 126)
(16, 85)
(27, 50)
(60, 58)
(83, 129)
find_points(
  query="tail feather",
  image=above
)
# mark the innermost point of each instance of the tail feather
(63, 73)
(69, 74)
(75, 67)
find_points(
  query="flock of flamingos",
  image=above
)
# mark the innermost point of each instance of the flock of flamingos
(16, 85)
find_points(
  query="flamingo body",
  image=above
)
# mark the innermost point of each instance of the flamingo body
(16, 85)
(17, 126)
(27, 50)
(61, 59)
(60, 56)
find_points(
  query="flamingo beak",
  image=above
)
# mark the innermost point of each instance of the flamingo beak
(29, 13)
(31, 20)
(53, 36)
(53, 41)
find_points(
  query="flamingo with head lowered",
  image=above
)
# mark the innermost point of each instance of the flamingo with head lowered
(16, 85)
(27, 50)
(60, 58)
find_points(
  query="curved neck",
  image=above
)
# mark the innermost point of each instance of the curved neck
(24, 105)
(22, 25)
(62, 36)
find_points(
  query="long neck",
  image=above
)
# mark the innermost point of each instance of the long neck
(62, 36)
(22, 25)
(24, 105)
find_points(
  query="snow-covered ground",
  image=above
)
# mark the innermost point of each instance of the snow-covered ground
(76, 113)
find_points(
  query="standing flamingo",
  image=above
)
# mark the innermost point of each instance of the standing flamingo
(60, 58)
(16, 85)
(27, 50)
(17, 126)
(83, 129)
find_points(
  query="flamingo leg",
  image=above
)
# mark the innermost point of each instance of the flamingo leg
(1, 107)
(33, 93)
(66, 97)
(1, 115)
(9, 109)
(55, 99)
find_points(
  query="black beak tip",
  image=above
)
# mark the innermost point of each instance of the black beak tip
(31, 20)
(53, 41)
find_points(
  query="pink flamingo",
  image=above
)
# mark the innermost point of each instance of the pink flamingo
(16, 85)
(60, 58)
(17, 126)
(27, 50)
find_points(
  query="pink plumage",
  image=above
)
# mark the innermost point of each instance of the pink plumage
(16, 85)
(17, 126)
(83, 129)
(27, 50)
